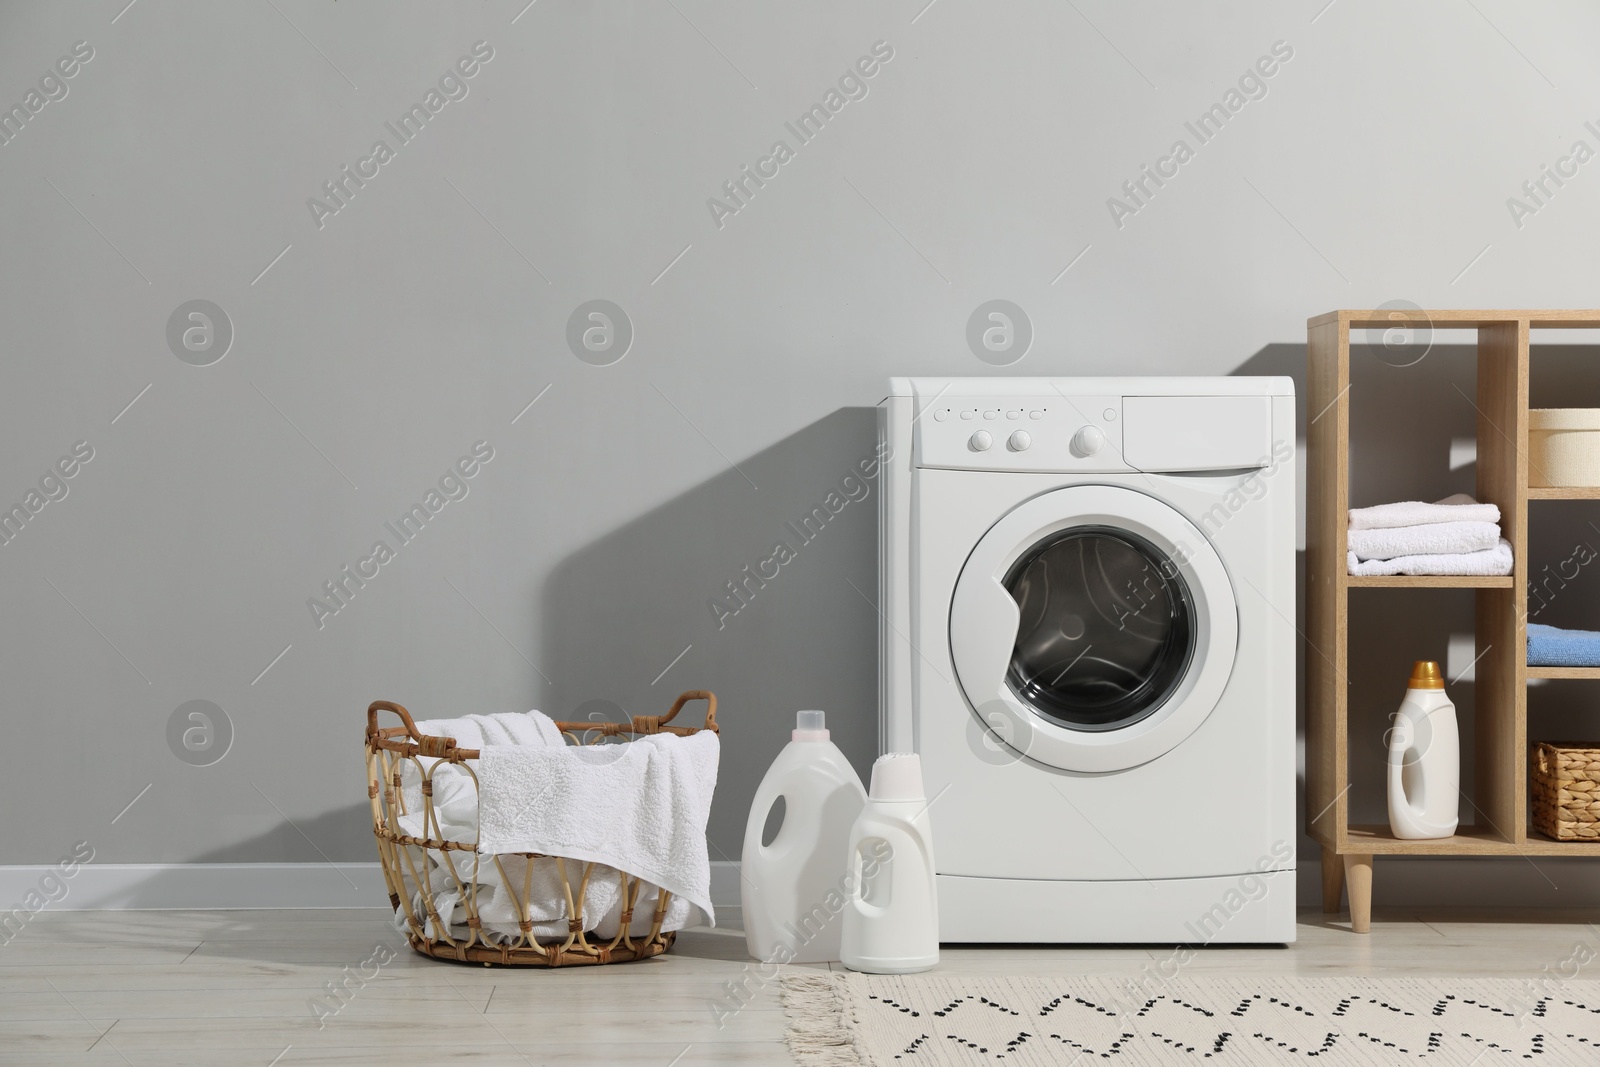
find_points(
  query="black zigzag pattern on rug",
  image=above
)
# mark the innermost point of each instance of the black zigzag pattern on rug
(929, 1021)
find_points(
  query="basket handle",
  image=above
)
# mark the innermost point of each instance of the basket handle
(649, 724)
(387, 705)
(427, 744)
(445, 747)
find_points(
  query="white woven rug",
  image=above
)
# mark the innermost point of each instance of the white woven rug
(853, 1020)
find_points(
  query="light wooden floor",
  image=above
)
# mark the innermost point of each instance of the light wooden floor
(231, 987)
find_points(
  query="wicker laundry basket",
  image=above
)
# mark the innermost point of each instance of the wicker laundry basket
(413, 866)
(1566, 791)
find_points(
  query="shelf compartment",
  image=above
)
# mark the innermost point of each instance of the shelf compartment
(1592, 673)
(1429, 581)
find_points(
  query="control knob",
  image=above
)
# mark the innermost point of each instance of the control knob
(1088, 441)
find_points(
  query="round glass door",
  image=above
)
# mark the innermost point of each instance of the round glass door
(1107, 628)
(1093, 628)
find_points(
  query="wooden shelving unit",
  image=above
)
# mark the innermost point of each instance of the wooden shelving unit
(1501, 719)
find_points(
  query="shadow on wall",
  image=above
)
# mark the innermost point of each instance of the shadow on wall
(759, 584)
(345, 832)
(342, 832)
(618, 612)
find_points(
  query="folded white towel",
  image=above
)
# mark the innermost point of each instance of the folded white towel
(1457, 508)
(1496, 560)
(641, 807)
(1433, 539)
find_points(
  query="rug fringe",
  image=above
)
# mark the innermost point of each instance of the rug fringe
(821, 1030)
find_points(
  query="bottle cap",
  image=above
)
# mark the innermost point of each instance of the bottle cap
(1425, 675)
(810, 726)
(897, 776)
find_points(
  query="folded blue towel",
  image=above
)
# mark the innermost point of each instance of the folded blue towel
(1551, 646)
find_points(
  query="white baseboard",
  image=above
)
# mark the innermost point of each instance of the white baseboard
(1397, 882)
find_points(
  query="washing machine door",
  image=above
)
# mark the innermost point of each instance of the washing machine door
(1093, 628)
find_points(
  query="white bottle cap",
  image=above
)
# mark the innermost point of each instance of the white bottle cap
(897, 776)
(810, 726)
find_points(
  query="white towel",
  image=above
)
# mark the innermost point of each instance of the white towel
(547, 901)
(506, 728)
(455, 795)
(1433, 539)
(497, 898)
(641, 807)
(1457, 508)
(456, 804)
(1496, 560)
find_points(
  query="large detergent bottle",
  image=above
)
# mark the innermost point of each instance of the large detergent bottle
(891, 924)
(793, 889)
(1424, 759)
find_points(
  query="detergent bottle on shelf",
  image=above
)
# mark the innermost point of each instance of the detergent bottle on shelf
(1424, 759)
(891, 923)
(793, 888)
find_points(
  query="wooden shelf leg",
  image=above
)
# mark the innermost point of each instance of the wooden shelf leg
(1332, 881)
(1358, 879)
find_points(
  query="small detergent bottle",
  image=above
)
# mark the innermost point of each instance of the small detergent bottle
(1424, 759)
(891, 923)
(793, 889)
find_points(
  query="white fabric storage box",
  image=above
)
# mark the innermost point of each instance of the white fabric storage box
(1564, 447)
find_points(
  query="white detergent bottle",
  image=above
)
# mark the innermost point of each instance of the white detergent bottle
(891, 923)
(793, 888)
(1424, 759)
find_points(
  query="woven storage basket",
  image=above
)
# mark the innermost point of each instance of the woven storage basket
(411, 864)
(1566, 791)
(1564, 447)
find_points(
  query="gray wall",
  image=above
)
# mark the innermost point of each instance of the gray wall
(428, 311)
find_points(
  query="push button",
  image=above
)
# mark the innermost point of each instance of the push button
(1019, 441)
(980, 441)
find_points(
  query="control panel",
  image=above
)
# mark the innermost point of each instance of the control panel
(1038, 433)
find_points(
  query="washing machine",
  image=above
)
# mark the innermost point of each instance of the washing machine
(1088, 634)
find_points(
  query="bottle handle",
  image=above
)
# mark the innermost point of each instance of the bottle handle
(1401, 737)
(761, 811)
(755, 826)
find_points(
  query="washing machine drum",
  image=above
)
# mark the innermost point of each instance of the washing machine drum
(1093, 629)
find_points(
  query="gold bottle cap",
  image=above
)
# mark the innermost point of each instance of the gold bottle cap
(1425, 675)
